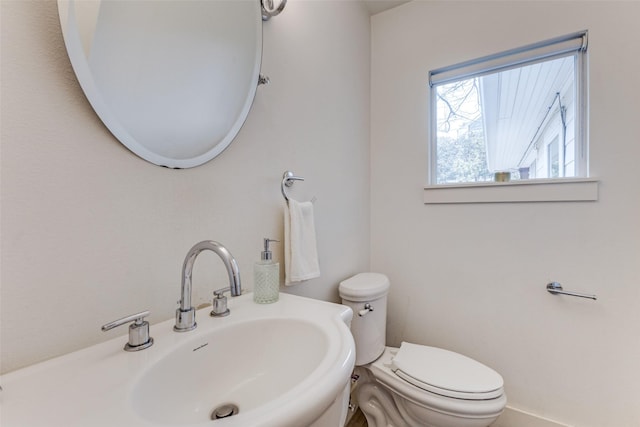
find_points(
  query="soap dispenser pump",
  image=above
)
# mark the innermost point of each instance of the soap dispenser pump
(266, 277)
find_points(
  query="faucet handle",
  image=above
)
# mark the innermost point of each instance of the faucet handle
(139, 338)
(218, 293)
(220, 303)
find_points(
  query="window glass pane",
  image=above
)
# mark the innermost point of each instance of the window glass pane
(461, 146)
(507, 121)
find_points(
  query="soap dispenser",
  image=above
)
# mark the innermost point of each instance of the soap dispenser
(266, 277)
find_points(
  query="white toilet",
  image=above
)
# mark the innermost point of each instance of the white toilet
(414, 385)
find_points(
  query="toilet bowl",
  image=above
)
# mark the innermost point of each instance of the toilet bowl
(413, 385)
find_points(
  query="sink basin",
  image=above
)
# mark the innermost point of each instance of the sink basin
(286, 364)
(245, 365)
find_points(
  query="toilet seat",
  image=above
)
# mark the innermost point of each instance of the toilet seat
(446, 373)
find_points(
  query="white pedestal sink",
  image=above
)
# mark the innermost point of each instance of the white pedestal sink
(282, 364)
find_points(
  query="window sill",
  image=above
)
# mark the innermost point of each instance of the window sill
(534, 190)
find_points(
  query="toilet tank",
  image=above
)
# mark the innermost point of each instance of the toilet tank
(369, 325)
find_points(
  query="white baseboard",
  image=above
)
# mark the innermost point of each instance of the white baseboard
(512, 417)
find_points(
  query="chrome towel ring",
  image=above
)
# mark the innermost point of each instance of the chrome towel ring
(287, 181)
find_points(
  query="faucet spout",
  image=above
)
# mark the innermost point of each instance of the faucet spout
(186, 314)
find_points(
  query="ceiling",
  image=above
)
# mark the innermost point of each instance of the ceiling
(377, 6)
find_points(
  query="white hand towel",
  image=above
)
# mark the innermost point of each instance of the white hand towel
(300, 251)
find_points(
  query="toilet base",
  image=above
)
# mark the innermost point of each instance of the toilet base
(431, 418)
(376, 402)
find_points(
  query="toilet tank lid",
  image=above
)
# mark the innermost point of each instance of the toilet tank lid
(364, 287)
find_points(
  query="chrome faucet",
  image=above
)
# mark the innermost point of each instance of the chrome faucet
(186, 314)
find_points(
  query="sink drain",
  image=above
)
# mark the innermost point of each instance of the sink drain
(224, 411)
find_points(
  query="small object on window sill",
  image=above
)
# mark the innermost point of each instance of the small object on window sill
(502, 176)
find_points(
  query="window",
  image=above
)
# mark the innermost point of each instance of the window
(522, 111)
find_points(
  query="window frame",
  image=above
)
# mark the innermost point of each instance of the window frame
(574, 44)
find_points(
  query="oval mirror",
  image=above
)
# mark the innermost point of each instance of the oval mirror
(173, 80)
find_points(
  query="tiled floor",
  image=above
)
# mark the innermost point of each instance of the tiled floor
(358, 420)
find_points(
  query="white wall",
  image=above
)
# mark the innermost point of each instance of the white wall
(472, 278)
(90, 232)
